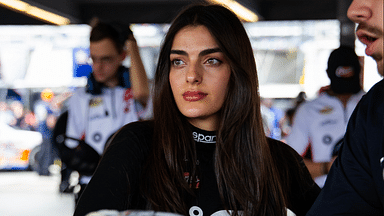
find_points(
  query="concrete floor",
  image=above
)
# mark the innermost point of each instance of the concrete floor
(25, 193)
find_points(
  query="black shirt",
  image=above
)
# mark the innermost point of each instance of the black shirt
(120, 169)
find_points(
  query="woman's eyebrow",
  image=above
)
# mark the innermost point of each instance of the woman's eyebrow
(179, 52)
(202, 53)
(209, 51)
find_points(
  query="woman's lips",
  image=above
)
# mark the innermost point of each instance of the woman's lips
(192, 96)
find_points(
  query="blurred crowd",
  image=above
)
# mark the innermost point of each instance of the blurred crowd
(43, 115)
(278, 116)
(39, 115)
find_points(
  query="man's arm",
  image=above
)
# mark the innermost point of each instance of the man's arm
(318, 169)
(75, 121)
(139, 80)
(299, 138)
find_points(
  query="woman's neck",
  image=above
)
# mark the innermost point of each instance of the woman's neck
(209, 124)
(203, 136)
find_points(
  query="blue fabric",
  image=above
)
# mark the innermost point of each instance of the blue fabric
(95, 88)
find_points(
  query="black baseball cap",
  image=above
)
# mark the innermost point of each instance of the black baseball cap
(344, 70)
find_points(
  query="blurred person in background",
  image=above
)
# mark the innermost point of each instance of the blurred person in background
(22, 118)
(319, 124)
(107, 103)
(46, 120)
(287, 121)
(29, 122)
(272, 117)
(17, 109)
(355, 184)
(6, 115)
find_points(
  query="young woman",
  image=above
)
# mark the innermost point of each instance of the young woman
(205, 152)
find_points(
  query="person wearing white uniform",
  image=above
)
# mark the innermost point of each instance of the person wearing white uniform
(107, 103)
(94, 118)
(319, 124)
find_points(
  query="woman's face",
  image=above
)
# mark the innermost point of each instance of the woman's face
(199, 76)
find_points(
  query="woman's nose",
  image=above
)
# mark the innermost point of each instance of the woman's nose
(194, 74)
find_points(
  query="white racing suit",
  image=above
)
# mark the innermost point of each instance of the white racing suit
(95, 118)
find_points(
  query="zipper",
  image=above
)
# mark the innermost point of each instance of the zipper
(113, 106)
(345, 113)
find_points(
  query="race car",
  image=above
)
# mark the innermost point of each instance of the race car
(17, 147)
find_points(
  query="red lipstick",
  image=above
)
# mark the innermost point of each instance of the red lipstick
(192, 96)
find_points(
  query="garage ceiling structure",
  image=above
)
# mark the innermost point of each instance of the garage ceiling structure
(163, 11)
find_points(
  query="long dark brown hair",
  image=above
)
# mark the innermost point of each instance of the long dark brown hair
(246, 174)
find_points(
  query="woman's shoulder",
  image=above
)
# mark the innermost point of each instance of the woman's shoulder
(289, 163)
(282, 150)
(297, 183)
(134, 134)
(138, 127)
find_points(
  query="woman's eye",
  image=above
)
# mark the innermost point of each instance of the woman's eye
(177, 62)
(213, 61)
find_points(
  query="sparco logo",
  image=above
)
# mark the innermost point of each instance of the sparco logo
(198, 137)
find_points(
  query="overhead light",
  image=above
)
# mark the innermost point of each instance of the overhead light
(36, 12)
(48, 16)
(242, 12)
(17, 5)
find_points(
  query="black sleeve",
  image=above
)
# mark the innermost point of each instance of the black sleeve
(300, 189)
(355, 183)
(116, 179)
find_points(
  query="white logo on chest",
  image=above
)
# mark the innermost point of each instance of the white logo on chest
(198, 137)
